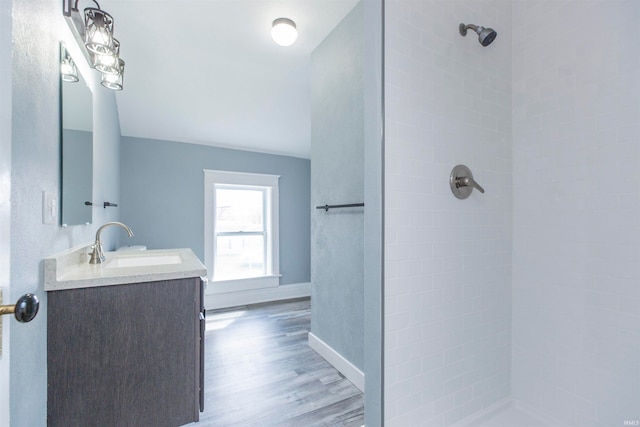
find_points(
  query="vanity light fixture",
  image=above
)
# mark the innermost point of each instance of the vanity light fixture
(108, 64)
(98, 31)
(68, 69)
(95, 36)
(284, 31)
(113, 81)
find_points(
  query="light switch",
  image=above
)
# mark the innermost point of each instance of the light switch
(49, 208)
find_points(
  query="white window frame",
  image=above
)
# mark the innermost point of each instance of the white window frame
(223, 179)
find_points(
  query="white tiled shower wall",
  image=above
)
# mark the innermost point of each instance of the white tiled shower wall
(574, 161)
(576, 174)
(448, 261)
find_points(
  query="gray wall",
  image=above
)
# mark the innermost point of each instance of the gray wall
(163, 197)
(337, 177)
(77, 170)
(5, 197)
(38, 26)
(373, 215)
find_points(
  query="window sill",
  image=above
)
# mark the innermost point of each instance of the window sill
(245, 284)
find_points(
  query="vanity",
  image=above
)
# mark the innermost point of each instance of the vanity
(125, 333)
(125, 338)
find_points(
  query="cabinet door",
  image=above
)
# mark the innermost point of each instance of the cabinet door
(203, 330)
(124, 355)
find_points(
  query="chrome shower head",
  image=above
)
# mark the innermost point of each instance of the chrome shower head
(485, 35)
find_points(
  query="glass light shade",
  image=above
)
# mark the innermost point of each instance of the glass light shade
(284, 31)
(108, 63)
(68, 70)
(98, 31)
(114, 81)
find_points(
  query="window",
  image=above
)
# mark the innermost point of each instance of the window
(241, 227)
(240, 234)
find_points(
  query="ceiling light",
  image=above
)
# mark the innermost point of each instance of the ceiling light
(284, 31)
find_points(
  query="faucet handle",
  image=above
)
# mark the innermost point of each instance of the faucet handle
(97, 255)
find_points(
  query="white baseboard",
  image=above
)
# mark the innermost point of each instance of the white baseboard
(351, 372)
(256, 296)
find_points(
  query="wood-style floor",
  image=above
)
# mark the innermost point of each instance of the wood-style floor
(260, 371)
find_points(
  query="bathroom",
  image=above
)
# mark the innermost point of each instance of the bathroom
(525, 295)
(115, 168)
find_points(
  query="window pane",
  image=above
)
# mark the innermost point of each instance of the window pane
(239, 210)
(238, 257)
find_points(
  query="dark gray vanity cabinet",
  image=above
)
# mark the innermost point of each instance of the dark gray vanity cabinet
(125, 355)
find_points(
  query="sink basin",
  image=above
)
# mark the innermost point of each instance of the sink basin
(144, 260)
(70, 269)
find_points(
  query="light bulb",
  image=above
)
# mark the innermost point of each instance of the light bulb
(284, 31)
(114, 81)
(68, 69)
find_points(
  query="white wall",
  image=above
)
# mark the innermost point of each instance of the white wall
(447, 261)
(576, 253)
(574, 116)
(38, 26)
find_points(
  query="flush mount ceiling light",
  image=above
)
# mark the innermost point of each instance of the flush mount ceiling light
(95, 37)
(284, 31)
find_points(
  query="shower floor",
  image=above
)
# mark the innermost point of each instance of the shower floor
(512, 417)
(506, 415)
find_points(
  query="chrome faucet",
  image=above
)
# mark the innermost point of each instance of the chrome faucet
(97, 256)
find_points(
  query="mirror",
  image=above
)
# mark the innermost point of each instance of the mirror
(76, 146)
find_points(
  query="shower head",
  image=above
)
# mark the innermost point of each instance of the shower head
(485, 35)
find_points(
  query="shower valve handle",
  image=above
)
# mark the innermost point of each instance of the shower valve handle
(462, 183)
(468, 181)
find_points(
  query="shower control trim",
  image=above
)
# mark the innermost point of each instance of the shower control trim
(462, 183)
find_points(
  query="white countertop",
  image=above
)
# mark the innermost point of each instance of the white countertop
(71, 269)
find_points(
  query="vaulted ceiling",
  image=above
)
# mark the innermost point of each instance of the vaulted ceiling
(208, 72)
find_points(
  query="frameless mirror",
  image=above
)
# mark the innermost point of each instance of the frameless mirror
(76, 143)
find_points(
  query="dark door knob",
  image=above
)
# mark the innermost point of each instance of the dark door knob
(25, 309)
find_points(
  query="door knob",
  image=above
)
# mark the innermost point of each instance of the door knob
(25, 309)
(462, 182)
